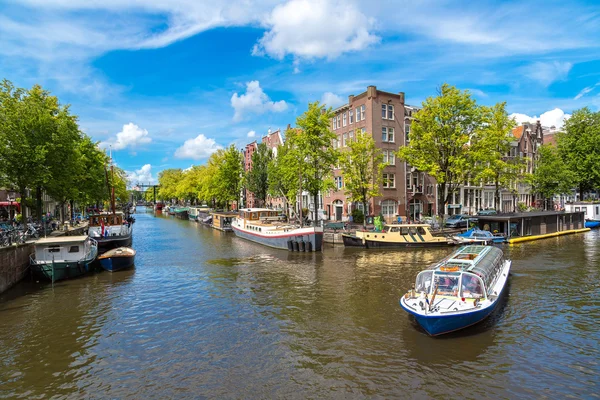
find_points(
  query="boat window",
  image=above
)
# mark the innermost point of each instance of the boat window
(471, 286)
(424, 282)
(394, 229)
(412, 230)
(447, 284)
(54, 249)
(74, 249)
(421, 230)
(253, 216)
(404, 230)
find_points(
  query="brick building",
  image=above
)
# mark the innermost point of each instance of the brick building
(386, 117)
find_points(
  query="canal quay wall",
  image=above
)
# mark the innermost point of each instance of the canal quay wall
(14, 260)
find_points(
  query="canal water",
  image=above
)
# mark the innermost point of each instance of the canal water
(207, 315)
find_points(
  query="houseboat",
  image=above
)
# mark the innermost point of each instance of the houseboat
(199, 213)
(158, 207)
(63, 257)
(266, 227)
(181, 212)
(591, 212)
(397, 235)
(460, 291)
(110, 230)
(222, 220)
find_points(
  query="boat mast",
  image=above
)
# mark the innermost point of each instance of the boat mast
(112, 184)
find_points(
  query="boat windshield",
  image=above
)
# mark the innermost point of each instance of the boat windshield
(447, 283)
(423, 283)
(471, 286)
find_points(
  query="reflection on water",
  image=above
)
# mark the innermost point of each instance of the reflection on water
(207, 314)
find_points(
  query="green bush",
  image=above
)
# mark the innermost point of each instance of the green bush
(522, 207)
(358, 216)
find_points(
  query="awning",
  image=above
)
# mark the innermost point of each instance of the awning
(10, 203)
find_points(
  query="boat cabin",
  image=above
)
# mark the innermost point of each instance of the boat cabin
(108, 224)
(402, 233)
(469, 273)
(222, 220)
(106, 219)
(62, 248)
(591, 211)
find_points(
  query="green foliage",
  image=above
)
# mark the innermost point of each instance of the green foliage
(168, 180)
(358, 216)
(440, 139)
(362, 166)
(551, 175)
(257, 179)
(42, 148)
(229, 175)
(490, 150)
(579, 147)
(284, 170)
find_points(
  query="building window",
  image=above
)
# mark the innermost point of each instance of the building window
(351, 135)
(344, 119)
(389, 157)
(363, 109)
(407, 131)
(334, 123)
(357, 114)
(339, 141)
(351, 116)
(389, 181)
(388, 207)
(387, 111)
(339, 121)
(387, 134)
(384, 137)
(363, 130)
(345, 141)
(339, 182)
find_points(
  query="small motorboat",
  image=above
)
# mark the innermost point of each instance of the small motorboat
(478, 236)
(117, 259)
(459, 291)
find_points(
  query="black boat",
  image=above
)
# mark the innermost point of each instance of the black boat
(111, 230)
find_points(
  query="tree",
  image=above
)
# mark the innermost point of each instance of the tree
(284, 172)
(362, 166)
(579, 147)
(551, 175)
(168, 180)
(91, 174)
(229, 175)
(491, 152)
(440, 139)
(315, 151)
(257, 179)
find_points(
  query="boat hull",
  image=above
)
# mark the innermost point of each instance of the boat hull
(113, 264)
(592, 224)
(354, 241)
(112, 242)
(281, 241)
(62, 270)
(441, 324)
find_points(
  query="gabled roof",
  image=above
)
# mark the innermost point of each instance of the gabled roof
(518, 131)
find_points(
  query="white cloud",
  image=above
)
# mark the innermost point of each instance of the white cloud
(586, 90)
(130, 136)
(142, 175)
(315, 29)
(254, 101)
(556, 117)
(251, 134)
(198, 148)
(332, 100)
(548, 72)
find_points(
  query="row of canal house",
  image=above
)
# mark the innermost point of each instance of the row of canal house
(405, 191)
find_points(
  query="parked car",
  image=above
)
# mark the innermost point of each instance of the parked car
(457, 221)
(487, 212)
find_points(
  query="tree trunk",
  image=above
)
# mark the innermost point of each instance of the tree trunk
(365, 215)
(441, 203)
(580, 192)
(316, 213)
(497, 197)
(38, 204)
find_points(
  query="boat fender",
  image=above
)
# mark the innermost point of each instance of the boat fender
(309, 246)
(295, 244)
(302, 245)
(290, 245)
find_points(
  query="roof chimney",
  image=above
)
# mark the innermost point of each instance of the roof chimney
(401, 94)
(350, 99)
(371, 91)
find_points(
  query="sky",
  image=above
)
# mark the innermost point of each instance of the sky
(165, 83)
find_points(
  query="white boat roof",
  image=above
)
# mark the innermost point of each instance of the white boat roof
(256, 209)
(408, 225)
(61, 239)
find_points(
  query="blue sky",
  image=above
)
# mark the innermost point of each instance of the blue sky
(167, 82)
